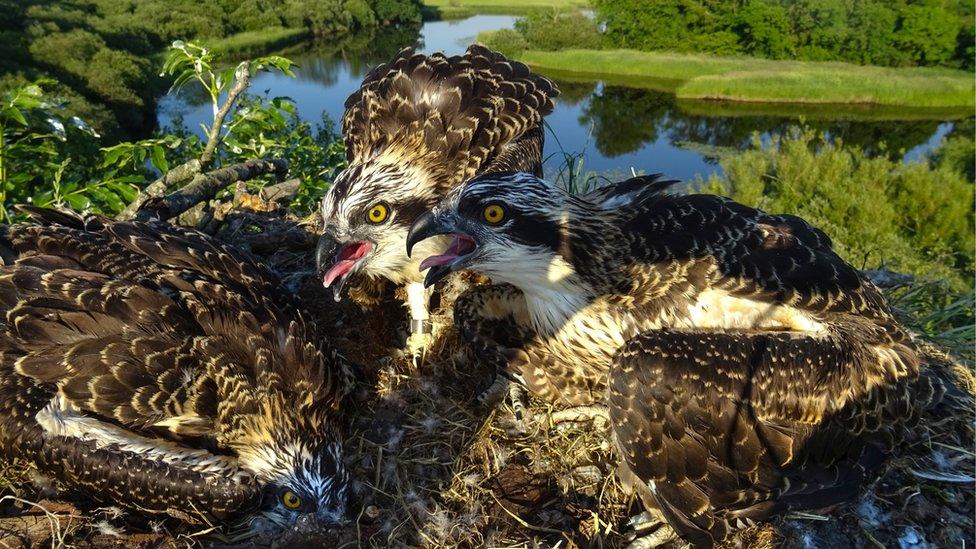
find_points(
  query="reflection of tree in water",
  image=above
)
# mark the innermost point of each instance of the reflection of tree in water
(572, 93)
(325, 62)
(625, 119)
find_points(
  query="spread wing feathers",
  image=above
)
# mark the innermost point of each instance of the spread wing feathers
(714, 432)
(110, 473)
(156, 327)
(778, 258)
(454, 115)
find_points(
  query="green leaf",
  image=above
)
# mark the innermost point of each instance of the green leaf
(127, 191)
(158, 158)
(111, 155)
(78, 202)
(14, 114)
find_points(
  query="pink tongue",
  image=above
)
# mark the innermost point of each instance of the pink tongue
(450, 254)
(436, 260)
(348, 257)
(337, 270)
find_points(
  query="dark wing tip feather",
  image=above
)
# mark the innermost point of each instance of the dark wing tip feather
(634, 190)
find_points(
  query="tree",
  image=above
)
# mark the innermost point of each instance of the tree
(928, 33)
(764, 30)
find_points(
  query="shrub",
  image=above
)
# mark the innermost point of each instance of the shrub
(508, 41)
(764, 30)
(98, 49)
(880, 32)
(558, 30)
(328, 17)
(397, 11)
(912, 218)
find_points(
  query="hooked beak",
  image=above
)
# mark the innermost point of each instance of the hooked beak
(453, 258)
(335, 262)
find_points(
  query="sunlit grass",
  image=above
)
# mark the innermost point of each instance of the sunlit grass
(450, 9)
(763, 80)
(258, 42)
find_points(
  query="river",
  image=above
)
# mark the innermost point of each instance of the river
(613, 128)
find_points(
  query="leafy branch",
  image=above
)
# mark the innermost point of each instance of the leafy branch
(189, 62)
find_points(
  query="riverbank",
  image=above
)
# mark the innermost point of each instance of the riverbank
(457, 9)
(255, 43)
(692, 76)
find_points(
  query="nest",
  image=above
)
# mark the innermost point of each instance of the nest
(436, 468)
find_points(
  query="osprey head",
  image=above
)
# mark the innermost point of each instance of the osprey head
(510, 226)
(291, 448)
(302, 479)
(367, 213)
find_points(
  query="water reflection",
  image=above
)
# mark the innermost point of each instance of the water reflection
(625, 119)
(617, 127)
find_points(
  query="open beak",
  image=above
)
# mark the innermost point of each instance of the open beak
(335, 261)
(456, 255)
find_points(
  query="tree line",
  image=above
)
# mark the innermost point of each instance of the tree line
(875, 32)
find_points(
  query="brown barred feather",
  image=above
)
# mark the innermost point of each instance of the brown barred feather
(167, 334)
(748, 369)
(453, 116)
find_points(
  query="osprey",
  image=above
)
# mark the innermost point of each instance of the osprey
(417, 127)
(157, 368)
(748, 370)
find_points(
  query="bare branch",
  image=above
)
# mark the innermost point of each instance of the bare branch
(158, 187)
(206, 185)
(242, 79)
(282, 192)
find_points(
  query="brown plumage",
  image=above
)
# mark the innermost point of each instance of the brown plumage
(157, 368)
(417, 127)
(453, 117)
(748, 369)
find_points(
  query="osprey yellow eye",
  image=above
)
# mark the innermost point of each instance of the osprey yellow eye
(378, 213)
(291, 500)
(494, 214)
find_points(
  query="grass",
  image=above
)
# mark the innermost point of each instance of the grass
(456, 9)
(762, 80)
(251, 43)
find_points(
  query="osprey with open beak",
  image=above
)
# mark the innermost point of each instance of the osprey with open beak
(748, 370)
(419, 126)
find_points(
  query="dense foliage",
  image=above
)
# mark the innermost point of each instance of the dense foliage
(50, 159)
(878, 32)
(909, 217)
(100, 52)
(548, 31)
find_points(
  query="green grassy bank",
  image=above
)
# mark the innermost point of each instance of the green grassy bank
(254, 43)
(456, 9)
(760, 80)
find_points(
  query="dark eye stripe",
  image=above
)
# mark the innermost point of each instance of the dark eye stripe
(409, 210)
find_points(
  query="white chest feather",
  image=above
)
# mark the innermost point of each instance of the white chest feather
(566, 318)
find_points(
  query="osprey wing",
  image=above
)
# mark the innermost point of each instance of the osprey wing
(749, 253)
(716, 431)
(456, 116)
(135, 349)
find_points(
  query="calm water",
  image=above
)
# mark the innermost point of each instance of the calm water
(617, 128)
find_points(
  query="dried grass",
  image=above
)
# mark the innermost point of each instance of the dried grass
(436, 469)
